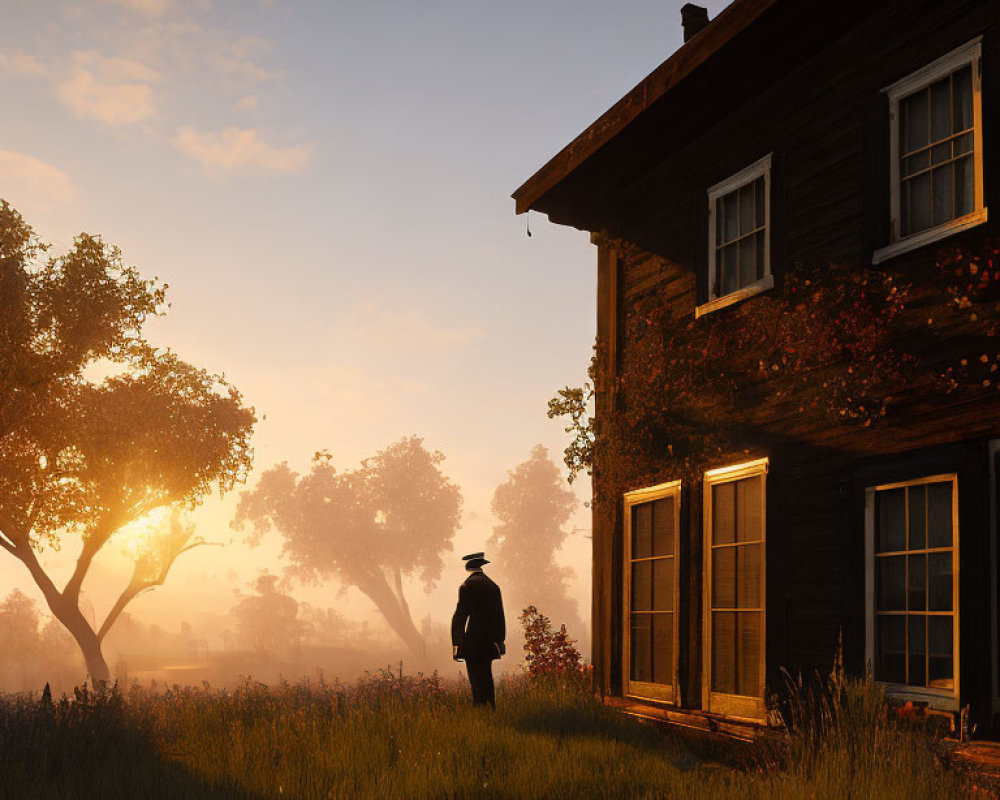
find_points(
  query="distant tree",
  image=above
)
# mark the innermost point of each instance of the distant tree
(33, 649)
(267, 622)
(533, 506)
(85, 456)
(369, 527)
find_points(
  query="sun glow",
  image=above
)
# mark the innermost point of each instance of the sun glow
(134, 538)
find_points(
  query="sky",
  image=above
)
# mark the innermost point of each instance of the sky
(325, 187)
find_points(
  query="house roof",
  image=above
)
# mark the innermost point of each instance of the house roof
(687, 59)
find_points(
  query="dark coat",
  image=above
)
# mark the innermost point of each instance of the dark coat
(478, 628)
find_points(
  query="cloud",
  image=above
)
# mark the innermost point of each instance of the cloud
(22, 64)
(32, 185)
(238, 150)
(116, 91)
(246, 103)
(151, 7)
(386, 330)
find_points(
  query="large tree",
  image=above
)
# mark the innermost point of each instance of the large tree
(83, 455)
(533, 507)
(369, 527)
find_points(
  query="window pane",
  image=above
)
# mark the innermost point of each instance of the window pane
(640, 649)
(891, 664)
(940, 153)
(748, 655)
(748, 261)
(916, 650)
(642, 589)
(724, 652)
(890, 518)
(939, 527)
(941, 673)
(963, 144)
(941, 109)
(915, 163)
(748, 213)
(918, 199)
(750, 524)
(663, 648)
(940, 586)
(962, 99)
(891, 583)
(642, 523)
(730, 218)
(730, 269)
(724, 577)
(964, 187)
(916, 583)
(943, 200)
(917, 502)
(760, 203)
(913, 121)
(663, 584)
(723, 513)
(663, 526)
(759, 240)
(748, 575)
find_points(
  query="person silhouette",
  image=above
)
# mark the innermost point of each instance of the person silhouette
(478, 629)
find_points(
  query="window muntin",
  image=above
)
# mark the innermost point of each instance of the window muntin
(735, 528)
(936, 161)
(739, 236)
(651, 540)
(914, 576)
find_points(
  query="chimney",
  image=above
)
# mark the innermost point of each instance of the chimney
(694, 20)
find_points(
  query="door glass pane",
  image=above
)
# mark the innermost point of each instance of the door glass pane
(663, 526)
(663, 584)
(724, 652)
(916, 650)
(941, 672)
(663, 648)
(916, 583)
(891, 583)
(891, 665)
(940, 588)
(890, 518)
(723, 513)
(917, 506)
(939, 522)
(642, 594)
(640, 649)
(748, 655)
(724, 577)
(749, 522)
(748, 576)
(642, 523)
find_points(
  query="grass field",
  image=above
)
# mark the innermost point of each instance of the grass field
(409, 737)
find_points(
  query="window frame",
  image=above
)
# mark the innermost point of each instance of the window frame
(969, 54)
(941, 699)
(642, 689)
(733, 705)
(759, 169)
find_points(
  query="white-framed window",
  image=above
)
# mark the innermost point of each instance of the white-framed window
(911, 533)
(936, 151)
(652, 523)
(733, 667)
(739, 237)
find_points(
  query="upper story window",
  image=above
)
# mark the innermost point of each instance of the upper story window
(739, 247)
(936, 159)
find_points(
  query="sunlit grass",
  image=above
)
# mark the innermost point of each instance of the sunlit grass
(388, 737)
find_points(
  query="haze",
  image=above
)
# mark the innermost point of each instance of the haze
(325, 188)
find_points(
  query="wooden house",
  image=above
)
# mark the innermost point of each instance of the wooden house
(786, 133)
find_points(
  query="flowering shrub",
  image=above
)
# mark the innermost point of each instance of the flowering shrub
(548, 652)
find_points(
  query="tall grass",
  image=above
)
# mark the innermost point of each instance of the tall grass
(393, 736)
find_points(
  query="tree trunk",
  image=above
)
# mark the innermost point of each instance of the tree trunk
(73, 620)
(377, 588)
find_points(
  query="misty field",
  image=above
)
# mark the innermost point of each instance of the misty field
(412, 737)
